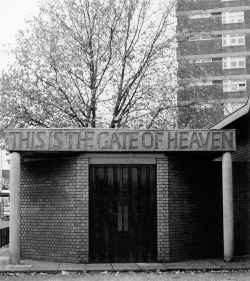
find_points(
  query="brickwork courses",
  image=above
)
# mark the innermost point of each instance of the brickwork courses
(189, 209)
(54, 210)
(162, 210)
(242, 154)
(206, 4)
(241, 179)
(195, 223)
(55, 215)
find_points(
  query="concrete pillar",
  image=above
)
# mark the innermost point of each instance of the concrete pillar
(228, 219)
(14, 245)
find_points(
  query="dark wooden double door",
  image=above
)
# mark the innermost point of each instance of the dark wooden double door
(123, 225)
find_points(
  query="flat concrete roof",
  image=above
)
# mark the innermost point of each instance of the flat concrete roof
(244, 110)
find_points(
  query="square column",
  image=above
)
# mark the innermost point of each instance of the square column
(14, 245)
(228, 219)
(162, 210)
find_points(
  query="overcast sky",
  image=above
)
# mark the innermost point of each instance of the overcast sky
(12, 18)
(12, 15)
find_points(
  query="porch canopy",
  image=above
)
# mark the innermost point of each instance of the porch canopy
(120, 140)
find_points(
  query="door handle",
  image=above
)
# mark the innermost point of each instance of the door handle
(122, 218)
(125, 220)
(119, 218)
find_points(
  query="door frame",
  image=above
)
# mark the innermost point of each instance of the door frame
(122, 158)
(128, 160)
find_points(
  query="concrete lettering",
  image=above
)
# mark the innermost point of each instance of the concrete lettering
(227, 140)
(41, 141)
(216, 140)
(115, 142)
(147, 140)
(194, 140)
(204, 143)
(58, 138)
(158, 139)
(133, 137)
(183, 140)
(120, 140)
(175, 140)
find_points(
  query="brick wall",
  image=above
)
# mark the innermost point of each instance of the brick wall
(195, 210)
(241, 179)
(211, 46)
(242, 153)
(241, 190)
(202, 47)
(193, 26)
(189, 209)
(162, 210)
(215, 69)
(187, 5)
(54, 210)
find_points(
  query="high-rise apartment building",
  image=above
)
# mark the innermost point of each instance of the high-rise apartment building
(214, 52)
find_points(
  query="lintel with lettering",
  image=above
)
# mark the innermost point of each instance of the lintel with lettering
(120, 140)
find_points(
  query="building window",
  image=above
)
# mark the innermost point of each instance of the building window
(200, 37)
(199, 16)
(219, 59)
(234, 85)
(233, 39)
(217, 82)
(232, 17)
(234, 62)
(201, 83)
(202, 60)
(216, 15)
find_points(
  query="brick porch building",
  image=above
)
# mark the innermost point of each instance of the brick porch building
(89, 195)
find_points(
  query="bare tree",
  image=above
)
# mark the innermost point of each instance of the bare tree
(93, 63)
(199, 106)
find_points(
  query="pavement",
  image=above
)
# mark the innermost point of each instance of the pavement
(240, 263)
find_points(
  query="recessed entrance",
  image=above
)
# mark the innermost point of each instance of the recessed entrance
(123, 225)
